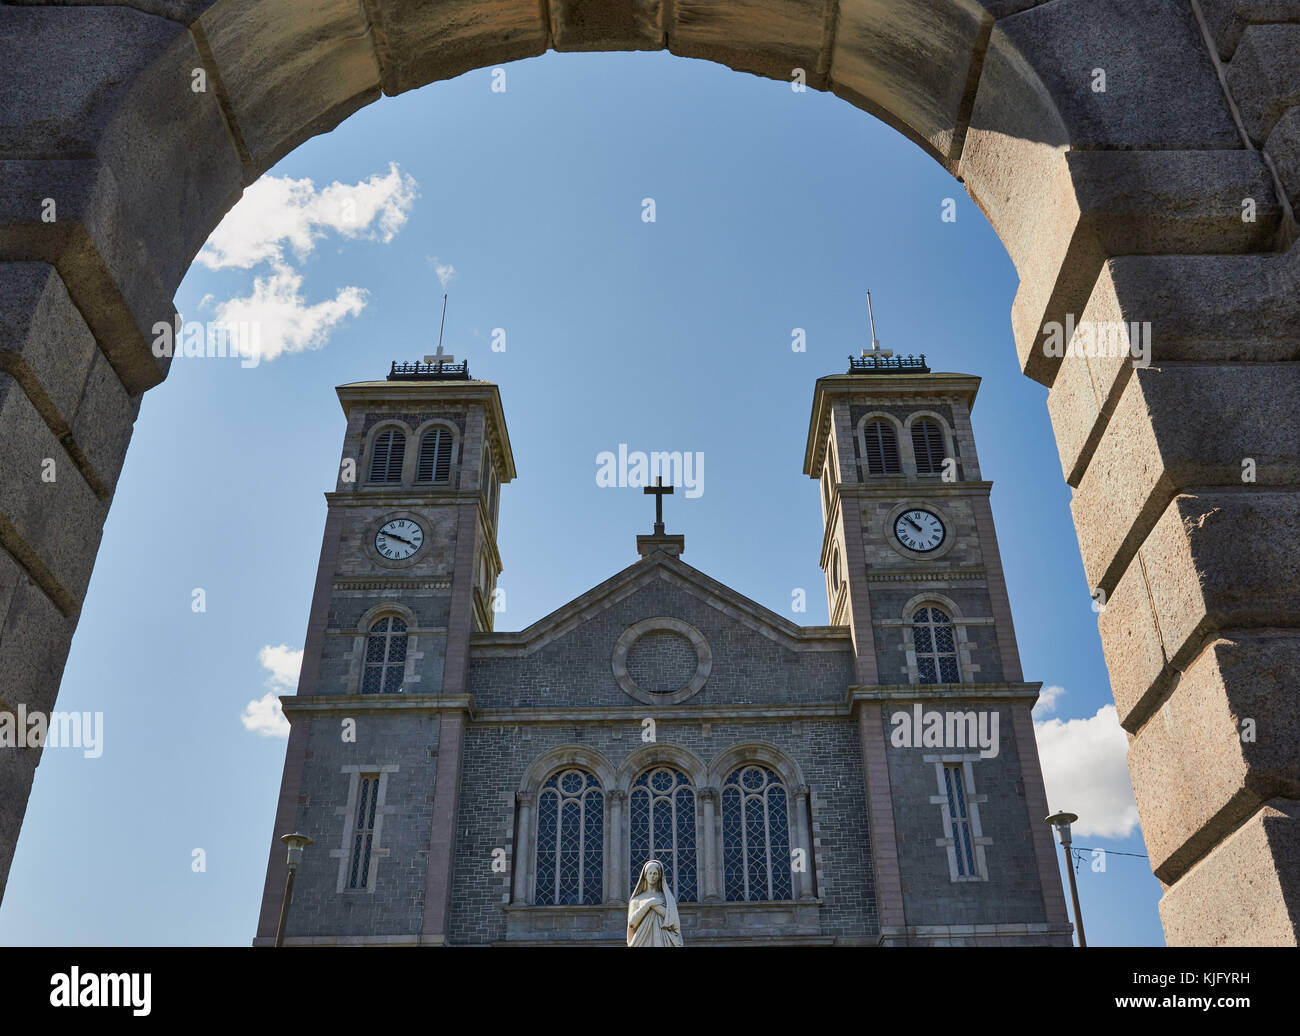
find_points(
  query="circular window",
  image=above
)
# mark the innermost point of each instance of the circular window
(661, 661)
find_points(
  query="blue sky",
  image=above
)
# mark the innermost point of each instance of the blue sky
(774, 211)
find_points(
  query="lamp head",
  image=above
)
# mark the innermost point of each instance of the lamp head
(1062, 822)
(296, 844)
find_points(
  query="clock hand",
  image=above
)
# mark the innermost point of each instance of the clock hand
(399, 539)
(912, 523)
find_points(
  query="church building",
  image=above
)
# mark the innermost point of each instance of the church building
(871, 782)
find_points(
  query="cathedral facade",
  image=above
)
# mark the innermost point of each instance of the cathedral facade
(871, 782)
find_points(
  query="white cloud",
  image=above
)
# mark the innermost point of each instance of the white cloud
(284, 664)
(280, 318)
(277, 211)
(445, 271)
(1085, 769)
(1046, 703)
(265, 716)
(278, 214)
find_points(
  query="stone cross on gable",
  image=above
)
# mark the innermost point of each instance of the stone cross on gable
(439, 358)
(659, 490)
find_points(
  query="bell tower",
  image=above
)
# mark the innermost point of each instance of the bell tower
(407, 573)
(954, 789)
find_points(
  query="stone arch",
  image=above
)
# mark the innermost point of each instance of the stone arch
(368, 449)
(417, 436)
(1122, 212)
(907, 452)
(722, 764)
(860, 439)
(372, 615)
(648, 756)
(558, 758)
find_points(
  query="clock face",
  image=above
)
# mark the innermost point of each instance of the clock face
(399, 539)
(919, 530)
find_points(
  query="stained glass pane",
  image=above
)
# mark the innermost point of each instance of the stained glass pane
(594, 844)
(779, 825)
(733, 844)
(925, 671)
(372, 681)
(686, 887)
(568, 880)
(548, 812)
(756, 869)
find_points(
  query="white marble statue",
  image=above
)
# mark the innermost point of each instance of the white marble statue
(652, 911)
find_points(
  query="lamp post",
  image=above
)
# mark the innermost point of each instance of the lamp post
(296, 843)
(1062, 822)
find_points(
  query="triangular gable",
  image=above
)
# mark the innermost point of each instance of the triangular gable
(640, 574)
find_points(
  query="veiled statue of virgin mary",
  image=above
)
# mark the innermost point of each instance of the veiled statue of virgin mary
(652, 911)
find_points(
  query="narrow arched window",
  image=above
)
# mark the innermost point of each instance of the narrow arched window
(385, 657)
(927, 445)
(435, 457)
(755, 835)
(570, 840)
(936, 650)
(881, 444)
(835, 571)
(661, 821)
(387, 454)
(826, 490)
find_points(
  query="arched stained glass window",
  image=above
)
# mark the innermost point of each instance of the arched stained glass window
(435, 457)
(385, 657)
(927, 444)
(936, 649)
(755, 835)
(387, 454)
(661, 819)
(881, 443)
(570, 840)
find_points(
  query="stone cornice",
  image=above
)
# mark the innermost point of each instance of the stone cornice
(596, 714)
(351, 703)
(344, 585)
(958, 692)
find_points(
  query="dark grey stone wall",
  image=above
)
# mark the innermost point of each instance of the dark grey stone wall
(396, 905)
(1012, 892)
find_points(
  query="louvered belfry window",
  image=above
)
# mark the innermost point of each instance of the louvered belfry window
(387, 456)
(882, 448)
(435, 456)
(927, 444)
